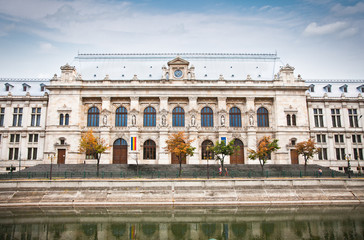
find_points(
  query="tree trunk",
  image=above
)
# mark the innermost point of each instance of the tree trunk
(222, 166)
(98, 165)
(305, 165)
(180, 165)
(262, 166)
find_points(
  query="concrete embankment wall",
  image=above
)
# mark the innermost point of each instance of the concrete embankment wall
(182, 192)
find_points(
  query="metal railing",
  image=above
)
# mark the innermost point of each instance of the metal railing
(172, 174)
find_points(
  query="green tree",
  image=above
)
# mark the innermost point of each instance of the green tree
(92, 145)
(307, 149)
(265, 147)
(178, 144)
(221, 150)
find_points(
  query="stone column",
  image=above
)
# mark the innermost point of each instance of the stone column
(251, 123)
(163, 132)
(163, 231)
(193, 129)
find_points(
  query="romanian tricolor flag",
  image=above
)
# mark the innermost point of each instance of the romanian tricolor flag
(133, 144)
(132, 235)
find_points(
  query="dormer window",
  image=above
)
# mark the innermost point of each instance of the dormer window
(8, 87)
(25, 87)
(327, 88)
(344, 88)
(311, 88)
(361, 88)
(42, 87)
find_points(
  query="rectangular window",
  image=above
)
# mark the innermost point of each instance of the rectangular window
(335, 116)
(340, 153)
(356, 138)
(13, 153)
(2, 116)
(32, 153)
(14, 138)
(322, 154)
(319, 117)
(339, 138)
(17, 117)
(358, 153)
(35, 121)
(33, 138)
(321, 138)
(353, 118)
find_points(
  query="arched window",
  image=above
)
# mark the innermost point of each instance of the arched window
(293, 120)
(93, 117)
(149, 150)
(121, 117)
(67, 119)
(235, 117)
(61, 117)
(206, 154)
(207, 117)
(262, 117)
(288, 120)
(178, 116)
(149, 117)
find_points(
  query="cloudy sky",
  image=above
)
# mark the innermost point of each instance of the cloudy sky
(322, 39)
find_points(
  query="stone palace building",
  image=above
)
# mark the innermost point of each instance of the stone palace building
(135, 101)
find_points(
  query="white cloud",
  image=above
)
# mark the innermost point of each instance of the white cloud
(314, 30)
(45, 46)
(348, 10)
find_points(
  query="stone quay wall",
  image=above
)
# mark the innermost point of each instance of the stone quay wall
(105, 192)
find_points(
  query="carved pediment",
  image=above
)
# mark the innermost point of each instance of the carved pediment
(178, 61)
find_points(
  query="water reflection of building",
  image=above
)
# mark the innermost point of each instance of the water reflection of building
(270, 223)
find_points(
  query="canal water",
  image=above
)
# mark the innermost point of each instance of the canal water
(289, 222)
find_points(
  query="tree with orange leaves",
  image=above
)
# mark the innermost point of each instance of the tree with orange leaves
(266, 146)
(92, 145)
(307, 149)
(178, 144)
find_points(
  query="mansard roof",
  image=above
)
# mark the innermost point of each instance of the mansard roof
(320, 87)
(33, 86)
(148, 66)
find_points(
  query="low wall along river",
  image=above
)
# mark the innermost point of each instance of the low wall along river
(181, 192)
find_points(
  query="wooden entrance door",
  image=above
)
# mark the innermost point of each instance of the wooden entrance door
(61, 156)
(175, 159)
(238, 156)
(120, 152)
(294, 156)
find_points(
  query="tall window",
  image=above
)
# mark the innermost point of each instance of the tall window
(335, 116)
(293, 119)
(2, 116)
(340, 153)
(32, 153)
(149, 150)
(339, 138)
(33, 138)
(353, 118)
(67, 119)
(358, 153)
(321, 138)
(121, 117)
(93, 117)
(207, 117)
(178, 117)
(235, 117)
(149, 117)
(17, 117)
(35, 121)
(318, 117)
(288, 120)
(206, 154)
(322, 154)
(262, 117)
(356, 138)
(14, 138)
(13, 153)
(61, 119)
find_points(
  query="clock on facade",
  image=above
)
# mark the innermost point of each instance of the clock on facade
(178, 73)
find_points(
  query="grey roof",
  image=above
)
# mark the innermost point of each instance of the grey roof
(16, 88)
(208, 66)
(337, 87)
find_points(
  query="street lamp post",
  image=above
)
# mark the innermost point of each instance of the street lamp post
(51, 156)
(349, 167)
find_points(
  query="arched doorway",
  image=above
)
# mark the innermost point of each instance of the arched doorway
(238, 156)
(120, 152)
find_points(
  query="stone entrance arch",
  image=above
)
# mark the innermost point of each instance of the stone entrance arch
(120, 151)
(238, 156)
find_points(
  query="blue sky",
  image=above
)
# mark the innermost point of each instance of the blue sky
(322, 39)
